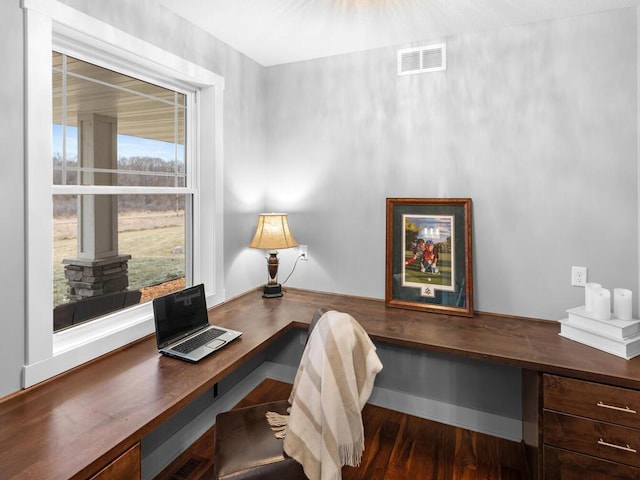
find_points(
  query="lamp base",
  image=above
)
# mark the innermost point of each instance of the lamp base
(272, 291)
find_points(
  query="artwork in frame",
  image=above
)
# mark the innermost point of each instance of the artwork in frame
(429, 255)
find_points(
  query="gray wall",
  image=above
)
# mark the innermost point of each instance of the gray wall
(536, 123)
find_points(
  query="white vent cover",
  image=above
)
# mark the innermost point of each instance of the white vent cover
(431, 58)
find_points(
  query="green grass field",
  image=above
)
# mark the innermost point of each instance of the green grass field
(413, 274)
(152, 258)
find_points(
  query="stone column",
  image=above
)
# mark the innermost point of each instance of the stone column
(98, 269)
(92, 278)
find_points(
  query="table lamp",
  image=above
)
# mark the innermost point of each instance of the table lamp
(272, 233)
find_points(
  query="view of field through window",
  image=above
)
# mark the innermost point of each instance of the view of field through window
(112, 132)
(155, 240)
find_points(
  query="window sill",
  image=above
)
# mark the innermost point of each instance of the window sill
(85, 342)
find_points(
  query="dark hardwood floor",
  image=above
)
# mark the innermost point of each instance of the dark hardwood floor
(398, 446)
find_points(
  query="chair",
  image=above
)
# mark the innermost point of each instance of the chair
(245, 446)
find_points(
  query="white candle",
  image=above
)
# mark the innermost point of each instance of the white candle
(590, 295)
(602, 304)
(622, 303)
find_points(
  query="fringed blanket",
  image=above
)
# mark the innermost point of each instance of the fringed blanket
(335, 378)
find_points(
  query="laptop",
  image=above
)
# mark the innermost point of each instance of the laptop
(182, 326)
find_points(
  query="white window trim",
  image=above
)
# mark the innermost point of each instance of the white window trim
(51, 25)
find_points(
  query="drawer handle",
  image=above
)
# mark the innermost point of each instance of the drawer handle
(619, 447)
(612, 407)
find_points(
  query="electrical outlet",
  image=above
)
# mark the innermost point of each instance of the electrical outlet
(578, 276)
(304, 252)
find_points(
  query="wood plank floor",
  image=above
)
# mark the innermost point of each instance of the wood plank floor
(397, 446)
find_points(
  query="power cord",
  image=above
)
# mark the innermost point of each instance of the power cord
(294, 267)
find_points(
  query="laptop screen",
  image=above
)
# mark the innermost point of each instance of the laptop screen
(179, 314)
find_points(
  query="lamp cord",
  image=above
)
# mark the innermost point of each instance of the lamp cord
(294, 267)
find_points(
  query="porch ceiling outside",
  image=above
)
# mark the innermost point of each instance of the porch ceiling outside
(142, 109)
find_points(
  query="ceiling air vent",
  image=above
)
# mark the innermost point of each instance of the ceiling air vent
(431, 58)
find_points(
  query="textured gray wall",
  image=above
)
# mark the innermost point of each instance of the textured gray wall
(536, 123)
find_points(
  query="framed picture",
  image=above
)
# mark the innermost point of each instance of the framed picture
(429, 255)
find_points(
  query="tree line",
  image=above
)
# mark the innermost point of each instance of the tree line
(66, 205)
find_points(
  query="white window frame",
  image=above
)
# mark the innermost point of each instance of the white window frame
(50, 25)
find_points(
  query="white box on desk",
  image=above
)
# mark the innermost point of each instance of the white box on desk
(614, 327)
(622, 347)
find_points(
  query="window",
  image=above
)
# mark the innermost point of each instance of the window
(116, 132)
(100, 195)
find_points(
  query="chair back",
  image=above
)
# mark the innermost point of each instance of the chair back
(314, 320)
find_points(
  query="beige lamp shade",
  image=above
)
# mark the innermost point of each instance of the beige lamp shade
(272, 232)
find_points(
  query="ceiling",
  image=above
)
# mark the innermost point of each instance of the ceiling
(273, 32)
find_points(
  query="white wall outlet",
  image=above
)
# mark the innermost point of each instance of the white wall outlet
(578, 276)
(304, 252)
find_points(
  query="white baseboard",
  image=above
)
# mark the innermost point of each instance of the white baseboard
(483, 422)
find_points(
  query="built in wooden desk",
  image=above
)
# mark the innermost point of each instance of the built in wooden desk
(75, 425)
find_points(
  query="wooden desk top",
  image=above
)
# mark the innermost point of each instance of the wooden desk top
(72, 425)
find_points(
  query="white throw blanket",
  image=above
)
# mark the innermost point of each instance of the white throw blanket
(335, 378)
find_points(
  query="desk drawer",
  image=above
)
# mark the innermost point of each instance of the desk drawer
(592, 400)
(126, 467)
(563, 465)
(600, 439)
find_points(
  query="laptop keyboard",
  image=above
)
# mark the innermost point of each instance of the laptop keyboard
(198, 341)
